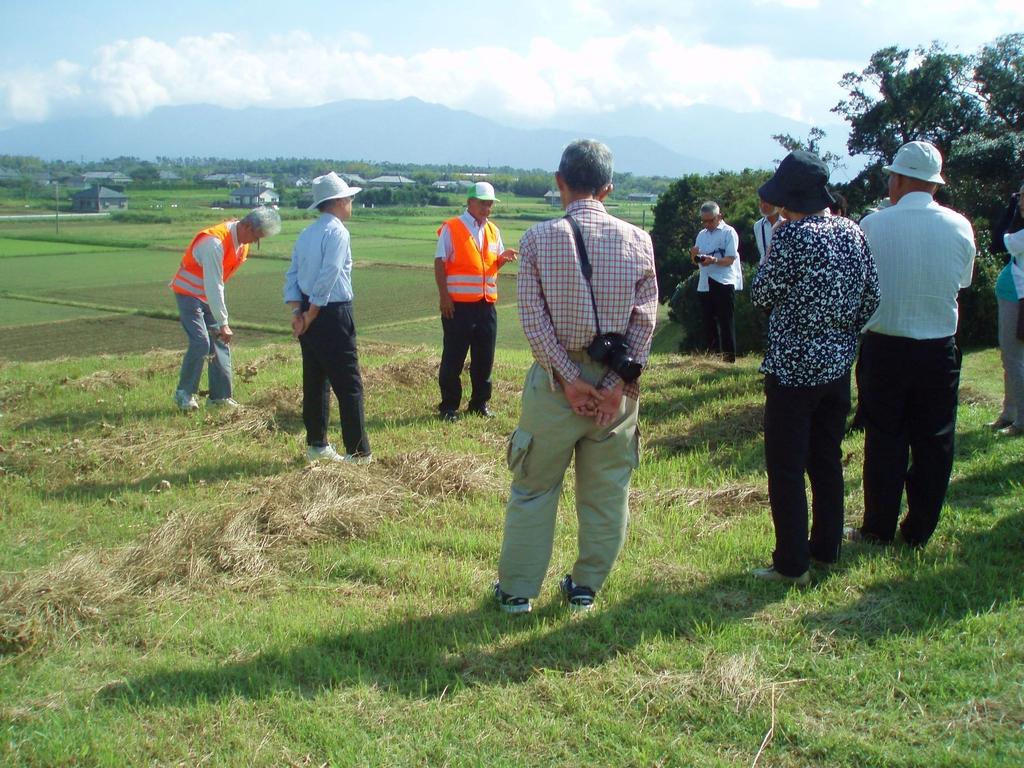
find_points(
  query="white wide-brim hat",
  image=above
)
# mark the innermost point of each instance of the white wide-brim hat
(331, 186)
(918, 160)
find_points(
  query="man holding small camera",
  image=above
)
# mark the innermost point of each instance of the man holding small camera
(588, 299)
(716, 252)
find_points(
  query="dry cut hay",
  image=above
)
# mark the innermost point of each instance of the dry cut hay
(724, 500)
(435, 474)
(103, 380)
(237, 540)
(150, 448)
(67, 595)
(419, 373)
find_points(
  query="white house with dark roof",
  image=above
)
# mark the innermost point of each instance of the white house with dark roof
(109, 177)
(391, 181)
(250, 197)
(97, 199)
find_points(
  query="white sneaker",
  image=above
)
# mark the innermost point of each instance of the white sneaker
(327, 453)
(224, 402)
(323, 453)
(185, 401)
(360, 459)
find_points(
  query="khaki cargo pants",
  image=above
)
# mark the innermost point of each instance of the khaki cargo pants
(549, 435)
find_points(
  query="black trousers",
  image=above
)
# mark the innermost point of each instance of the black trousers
(329, 361)
(472, 330)
(718, 307)
(907, 403)
(803, 430)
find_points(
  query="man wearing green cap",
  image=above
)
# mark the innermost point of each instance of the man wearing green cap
(466, 263)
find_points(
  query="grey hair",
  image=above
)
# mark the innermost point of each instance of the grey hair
(586, 166)
(265, 221)
(711, 207)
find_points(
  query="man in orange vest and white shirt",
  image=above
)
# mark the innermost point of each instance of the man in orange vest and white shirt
(211, 259)
(468, 256)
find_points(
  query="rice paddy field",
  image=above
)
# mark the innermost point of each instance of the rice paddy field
(183, 589)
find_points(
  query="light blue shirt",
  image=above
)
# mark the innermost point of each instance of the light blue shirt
(321, 264)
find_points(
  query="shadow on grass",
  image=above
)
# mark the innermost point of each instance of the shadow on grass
(987, 573)
(424, 656)
(978, 487)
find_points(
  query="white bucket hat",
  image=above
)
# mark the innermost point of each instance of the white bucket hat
(482, 190)
(331, 186)
(918, 160)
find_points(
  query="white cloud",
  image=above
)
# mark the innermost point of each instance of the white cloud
(31, 95)
(618, 62)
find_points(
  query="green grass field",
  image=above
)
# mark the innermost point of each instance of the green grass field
(183, 590)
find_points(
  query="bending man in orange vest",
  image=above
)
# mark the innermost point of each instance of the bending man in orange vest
(468, 257)
(210, 261)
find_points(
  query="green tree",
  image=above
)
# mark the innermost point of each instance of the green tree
(812, 144)
(999, 79)
(677, 219)
(932, 100)
(533, 184)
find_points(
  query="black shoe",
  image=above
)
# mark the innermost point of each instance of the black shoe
(509, 603)
(580, 598)
(482, 411)
(449, 416)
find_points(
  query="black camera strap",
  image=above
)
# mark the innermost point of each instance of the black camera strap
(585, 267)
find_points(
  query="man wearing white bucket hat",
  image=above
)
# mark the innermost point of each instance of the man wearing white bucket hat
(466, 263)
(908, 374)
(318, 287)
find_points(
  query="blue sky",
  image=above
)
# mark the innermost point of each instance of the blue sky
(517, 61)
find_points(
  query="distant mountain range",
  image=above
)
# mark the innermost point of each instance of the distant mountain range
(645, 141)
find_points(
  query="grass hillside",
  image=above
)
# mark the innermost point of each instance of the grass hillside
(183, 590)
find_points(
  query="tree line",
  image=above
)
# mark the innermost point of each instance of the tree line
(971, 106)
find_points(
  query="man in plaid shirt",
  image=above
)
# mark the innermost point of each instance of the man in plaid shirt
(573, 405)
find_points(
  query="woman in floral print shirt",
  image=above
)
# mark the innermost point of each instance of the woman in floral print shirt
(820, 287)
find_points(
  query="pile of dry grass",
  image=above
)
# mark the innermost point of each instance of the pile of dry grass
(103, 380)
(728, 499)
(439, 475)
(238, 541)
(418, 373)
(149, 448)
(237, 535)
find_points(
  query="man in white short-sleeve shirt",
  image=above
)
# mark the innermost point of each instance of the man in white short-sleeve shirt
(716, 252)
(908, 374)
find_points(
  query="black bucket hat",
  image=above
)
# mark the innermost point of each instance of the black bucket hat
(799, 184)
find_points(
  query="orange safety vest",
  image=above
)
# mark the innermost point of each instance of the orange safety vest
(471, 273)
(188, 280)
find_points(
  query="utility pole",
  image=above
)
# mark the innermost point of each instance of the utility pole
(56, 206)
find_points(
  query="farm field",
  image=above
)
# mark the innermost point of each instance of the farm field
(104, 269)
(183, 589)
(99, 268)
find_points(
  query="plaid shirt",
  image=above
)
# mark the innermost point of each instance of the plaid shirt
(554, 301)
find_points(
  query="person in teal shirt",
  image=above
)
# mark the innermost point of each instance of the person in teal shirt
(1008, 236)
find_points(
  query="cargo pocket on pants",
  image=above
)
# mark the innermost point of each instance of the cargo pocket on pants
(517, 452)
(634, 453)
